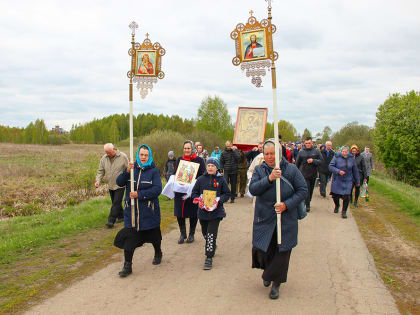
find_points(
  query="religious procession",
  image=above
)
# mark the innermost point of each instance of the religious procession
(278, 178)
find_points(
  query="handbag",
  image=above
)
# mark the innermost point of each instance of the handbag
(301, 208)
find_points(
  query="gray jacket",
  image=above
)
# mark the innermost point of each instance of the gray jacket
(265, 218)
(368, 162)
(110, 168)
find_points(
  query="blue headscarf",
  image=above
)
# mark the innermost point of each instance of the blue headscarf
(149, 161)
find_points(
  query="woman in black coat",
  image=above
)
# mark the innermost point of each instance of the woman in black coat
(142, 226)
(183, 205)
(361, 166)
(210, 215)
(274, 258)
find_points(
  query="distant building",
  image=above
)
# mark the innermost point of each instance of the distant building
(58, 129)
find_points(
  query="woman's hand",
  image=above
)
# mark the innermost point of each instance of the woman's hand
(134, 195)
(280, 207)
(130, 166)
(276, 173)
(342, 173)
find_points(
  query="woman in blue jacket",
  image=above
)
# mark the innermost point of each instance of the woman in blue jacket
(210, 215)
(274, 258)
(345, 172)
(144, 227)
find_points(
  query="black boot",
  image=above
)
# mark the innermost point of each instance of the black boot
(274, 292)
(355, 203)
(336, 209)
(158, 258)
(344, 215)
(126, 270)
(190, 238)
(183, 235)
(266, 283)
(208, 263)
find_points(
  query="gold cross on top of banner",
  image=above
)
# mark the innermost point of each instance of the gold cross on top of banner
(251, 12)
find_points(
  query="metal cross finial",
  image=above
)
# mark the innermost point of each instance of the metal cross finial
(269, 3)
(251, 12)
(133, 25)
(147, 35)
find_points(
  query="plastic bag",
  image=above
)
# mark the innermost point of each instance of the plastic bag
(363, 190)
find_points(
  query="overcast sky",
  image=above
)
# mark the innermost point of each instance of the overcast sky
(66, 61)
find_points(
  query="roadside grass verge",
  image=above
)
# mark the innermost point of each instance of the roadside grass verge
(390, 227)
(43, 254)
(405, 196)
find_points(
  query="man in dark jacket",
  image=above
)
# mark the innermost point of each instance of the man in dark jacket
(229, 160)
(307, 162)
(324, 172)
(252, 154)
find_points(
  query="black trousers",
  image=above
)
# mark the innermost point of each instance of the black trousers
(356, 193)
(116, 208)
(311, 184)
(231, 179)
(183, 228)
(323, 179)
(209, 228)
(346, 201)
(128, 254)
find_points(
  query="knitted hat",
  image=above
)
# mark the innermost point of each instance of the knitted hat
(354, 147)
(214, 161)
(171, 153)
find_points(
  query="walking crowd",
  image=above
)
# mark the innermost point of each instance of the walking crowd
(226, 175)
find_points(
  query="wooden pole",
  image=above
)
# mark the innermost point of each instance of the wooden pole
(277, 147)
(133, 221)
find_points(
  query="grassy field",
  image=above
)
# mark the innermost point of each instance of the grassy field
(52, 221)
(44, 253)
(390, 226)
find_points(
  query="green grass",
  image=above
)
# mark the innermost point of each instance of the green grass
(405, 196)
(44, 253)
(21, 235)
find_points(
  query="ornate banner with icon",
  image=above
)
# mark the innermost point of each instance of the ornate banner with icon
(250, 126)
(254, 47)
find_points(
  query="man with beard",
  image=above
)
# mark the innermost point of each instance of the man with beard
(307, 162)
(249, 51)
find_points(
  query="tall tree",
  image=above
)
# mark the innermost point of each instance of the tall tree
(397, 134)
(306, 133)
(326, 134)
(213, 116)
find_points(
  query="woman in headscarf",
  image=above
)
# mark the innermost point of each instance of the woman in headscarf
(144, 225)
(210, 192)
(267, 254)
(345, 172)
(361, 166)
(183, 204)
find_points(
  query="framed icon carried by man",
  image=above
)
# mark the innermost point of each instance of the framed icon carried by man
(250, 125)
(146, 62)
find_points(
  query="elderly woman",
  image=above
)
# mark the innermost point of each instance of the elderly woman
(267, 254)
(183, 204)
(146, 225)
(345, 172)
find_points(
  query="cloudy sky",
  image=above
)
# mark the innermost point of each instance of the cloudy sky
(66, 61)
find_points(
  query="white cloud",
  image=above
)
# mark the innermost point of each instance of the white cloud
(66, 62)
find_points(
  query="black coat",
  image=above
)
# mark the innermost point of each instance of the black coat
(208, 182)
(265, 218)
(148, 185)
(308, 170)
(186, 208)
(323, 167)
(361, 166)
(229, 161)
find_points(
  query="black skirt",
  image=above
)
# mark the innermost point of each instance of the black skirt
(274, 263)
(129, 238)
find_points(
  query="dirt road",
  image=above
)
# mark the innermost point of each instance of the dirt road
(331, 272)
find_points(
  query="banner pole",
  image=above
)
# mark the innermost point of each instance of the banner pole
(133, 221)
(277, 147)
